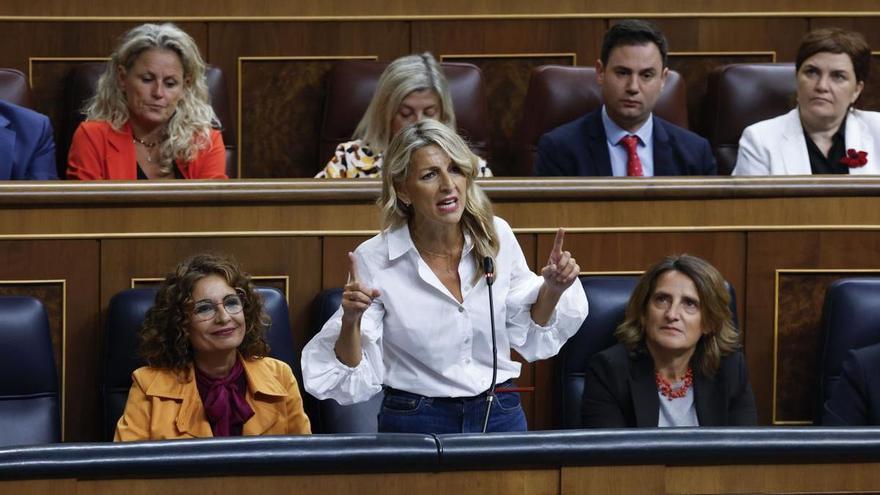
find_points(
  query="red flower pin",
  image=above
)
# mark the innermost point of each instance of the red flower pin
(854, 158)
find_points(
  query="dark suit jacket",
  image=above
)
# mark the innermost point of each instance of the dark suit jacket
(580, 148)
(27, 149)
(855, 399)
(620, 392)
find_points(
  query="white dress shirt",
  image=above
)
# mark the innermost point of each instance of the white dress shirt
(617, 151)
(417, 337)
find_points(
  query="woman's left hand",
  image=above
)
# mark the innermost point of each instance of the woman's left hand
(561, 270)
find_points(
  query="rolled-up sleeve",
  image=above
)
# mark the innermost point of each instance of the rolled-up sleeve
(325, 377)
(530, 340)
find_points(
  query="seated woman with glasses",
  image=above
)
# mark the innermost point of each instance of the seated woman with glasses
(208, 372)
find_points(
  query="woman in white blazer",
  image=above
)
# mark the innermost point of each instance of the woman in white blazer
(824, 134)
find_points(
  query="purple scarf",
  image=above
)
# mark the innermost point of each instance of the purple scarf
(224, 400)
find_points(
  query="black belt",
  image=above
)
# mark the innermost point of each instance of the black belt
(504, 387)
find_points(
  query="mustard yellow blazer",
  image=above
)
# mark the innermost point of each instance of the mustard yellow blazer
(161, 407)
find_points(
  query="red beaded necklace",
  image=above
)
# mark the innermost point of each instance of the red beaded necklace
(665, 388)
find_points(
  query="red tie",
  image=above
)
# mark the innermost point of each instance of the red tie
(633, 164)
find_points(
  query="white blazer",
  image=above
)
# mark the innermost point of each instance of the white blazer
(777, 146)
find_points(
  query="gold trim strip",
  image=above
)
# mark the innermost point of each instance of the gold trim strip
(776, 274)
(31, 61)
(286, 279)
(611, 273)
(747, 53)
(461, 56)
(371, 232)
(268, 58)
(135, 280)
(63, 385)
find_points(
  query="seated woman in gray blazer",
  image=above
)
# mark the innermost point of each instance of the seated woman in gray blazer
(824, 134)
(678, 361)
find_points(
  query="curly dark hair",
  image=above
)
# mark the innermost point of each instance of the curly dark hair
(164, 336)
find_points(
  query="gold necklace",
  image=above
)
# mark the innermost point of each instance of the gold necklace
(144, 143)
(431, 253)
(148, 145)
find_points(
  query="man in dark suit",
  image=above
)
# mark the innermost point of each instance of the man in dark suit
(855, 399)
(623, 138)
(27, 149)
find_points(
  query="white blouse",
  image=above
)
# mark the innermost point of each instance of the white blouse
(418, 338)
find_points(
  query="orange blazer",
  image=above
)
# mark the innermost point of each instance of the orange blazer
(160, 407)
(100, 152)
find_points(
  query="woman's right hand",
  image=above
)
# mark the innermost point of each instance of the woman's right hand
(356, 297)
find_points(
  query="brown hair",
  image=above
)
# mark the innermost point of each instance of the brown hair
(837, 40)
(721, 338)
(164, 336)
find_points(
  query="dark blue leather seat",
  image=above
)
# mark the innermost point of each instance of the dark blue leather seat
(607, 296)
(333, 417)
(29, 400)
(125, 316)
(848, 322)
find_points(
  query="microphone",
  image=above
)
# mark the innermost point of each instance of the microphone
(489, 270)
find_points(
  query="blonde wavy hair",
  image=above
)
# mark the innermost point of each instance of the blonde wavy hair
(721, 337)
(477, 220)
(403, 76)
(188, 131)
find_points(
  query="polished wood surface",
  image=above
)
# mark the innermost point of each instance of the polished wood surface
(97, 237)
(355, 8)
(612, 480)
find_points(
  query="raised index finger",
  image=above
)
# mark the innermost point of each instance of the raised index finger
(557, 243)
(352, 271)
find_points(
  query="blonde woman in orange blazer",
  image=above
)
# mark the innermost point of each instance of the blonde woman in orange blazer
(151, 117)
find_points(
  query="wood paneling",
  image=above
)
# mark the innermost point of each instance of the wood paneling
(696, 66)
(706, 479)
(355, 8)
(506, 78)
(284, 99)
(302, 229)
(507, 482)
(614, 480)
(771, 251)
(76, 263)
(800, 297)
(779, 478)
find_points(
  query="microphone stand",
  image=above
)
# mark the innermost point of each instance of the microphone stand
(489, 269)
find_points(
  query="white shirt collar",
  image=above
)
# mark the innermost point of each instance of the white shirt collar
(400, 242)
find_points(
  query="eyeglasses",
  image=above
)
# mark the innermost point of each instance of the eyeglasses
(207, 310)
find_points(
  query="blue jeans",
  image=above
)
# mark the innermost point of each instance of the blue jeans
(404, 412)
